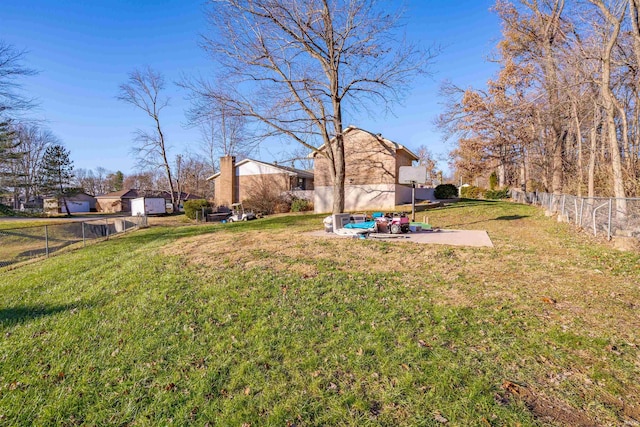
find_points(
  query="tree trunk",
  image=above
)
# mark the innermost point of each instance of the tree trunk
(576, 122)
(167, 167)
(557, 136)
(501, 173)
(634, 5)
(610, 111)
(625, 131)
(339, 175)
(593, 136)
(64, 199)
(523, 170)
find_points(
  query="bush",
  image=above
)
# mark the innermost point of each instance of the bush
(267, 204)
(471, 192)
(192, 207)
(446, 191)
(497, 194)
(301, 205)
(6, 210)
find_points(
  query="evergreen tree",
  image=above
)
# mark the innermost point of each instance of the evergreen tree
(9, 154)
(116, 180)
(56, 173)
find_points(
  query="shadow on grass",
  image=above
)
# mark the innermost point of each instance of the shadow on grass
(510, 217)
(465, 203)
(500, 218)
(22, 314)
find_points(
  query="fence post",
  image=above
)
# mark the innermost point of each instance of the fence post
(609, 225)
(564, 197)
(84, 242)
(581, 210)
(46, 241)
(106, 222)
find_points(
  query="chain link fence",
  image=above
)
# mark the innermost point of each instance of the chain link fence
(21, 244)
(601, 216)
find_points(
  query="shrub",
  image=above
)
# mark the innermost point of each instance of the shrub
(446, 191)
(497, 194)
(265, 195)
(301, 205)
(471, 192)
(191, 207)
(267, 204)
(6, 210)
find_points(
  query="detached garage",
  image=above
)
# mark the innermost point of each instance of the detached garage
(74, 207)
(78, 203)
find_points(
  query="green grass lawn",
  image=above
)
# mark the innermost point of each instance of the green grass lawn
(254, 324)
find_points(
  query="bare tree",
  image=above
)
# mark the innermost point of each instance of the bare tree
(11, 69)
(191, 175)
(144, 181)
(426, 159)
(294, 65)
(223, 132)
(613, 18)
(34, 141)
(143, 91)
(534, 35)
(300, 158)
(100, 181)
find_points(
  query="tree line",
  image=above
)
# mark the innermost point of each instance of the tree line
(288, 69)
(563, 113)
(34, 162)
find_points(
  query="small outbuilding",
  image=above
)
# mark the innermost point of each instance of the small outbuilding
(142, 206)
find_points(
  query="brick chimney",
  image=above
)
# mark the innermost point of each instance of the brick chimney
(226, 182)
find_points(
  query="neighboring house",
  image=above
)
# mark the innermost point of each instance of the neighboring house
(371, 182)
(248, 178)
(120, 201)
(79, 202)
(117, 201)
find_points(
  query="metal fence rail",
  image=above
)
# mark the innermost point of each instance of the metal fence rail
(21, 244)
(602, 216)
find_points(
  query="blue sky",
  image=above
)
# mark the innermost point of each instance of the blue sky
(84, 50)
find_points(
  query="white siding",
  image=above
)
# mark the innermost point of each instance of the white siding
(255, 168)
(358, 197)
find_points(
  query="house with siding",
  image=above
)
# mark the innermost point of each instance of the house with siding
(247, 178)
(372, 163)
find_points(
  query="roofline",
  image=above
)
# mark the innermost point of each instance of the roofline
(241, 162)
(379, 136)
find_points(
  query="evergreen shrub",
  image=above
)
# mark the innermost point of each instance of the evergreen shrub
(191, 207)
(446, 191)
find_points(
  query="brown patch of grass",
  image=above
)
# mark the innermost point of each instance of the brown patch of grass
(575, 286)
(529, 266)
(547, 409)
